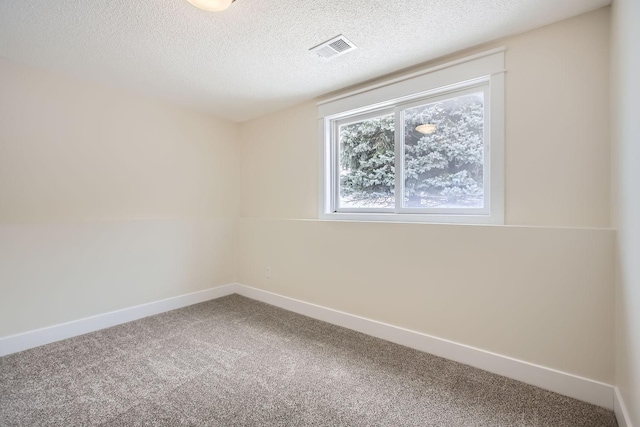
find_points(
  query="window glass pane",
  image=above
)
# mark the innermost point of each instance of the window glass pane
(444, 153)
(367, 170)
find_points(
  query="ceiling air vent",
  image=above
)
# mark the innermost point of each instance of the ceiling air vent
(334, 47)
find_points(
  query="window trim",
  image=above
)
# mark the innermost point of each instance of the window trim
(486, 71)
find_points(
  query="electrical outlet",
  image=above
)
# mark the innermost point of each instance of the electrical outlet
(267, 273)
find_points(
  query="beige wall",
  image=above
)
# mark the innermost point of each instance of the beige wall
(536, 294)
(72, 151)
(542, 294)
(107, 200)
(557, 127)
(626, 132)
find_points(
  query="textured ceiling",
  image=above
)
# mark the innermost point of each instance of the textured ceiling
(253, 58)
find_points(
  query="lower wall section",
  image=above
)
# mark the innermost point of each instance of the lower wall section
(563, 383)
(534, 304)
(540, 295)
(560, 382)
(56, 273)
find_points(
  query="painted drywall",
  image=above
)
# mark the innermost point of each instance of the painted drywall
(539, 290)
(56, 273)
(535, 294)
(626, 136)
(74, 151)
(557, 161)
(107, 199)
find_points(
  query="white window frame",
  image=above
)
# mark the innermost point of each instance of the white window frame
(481, 72)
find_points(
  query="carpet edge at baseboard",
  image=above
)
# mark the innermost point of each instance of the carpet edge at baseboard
(585, 389)
(574, 386)
(35, 338)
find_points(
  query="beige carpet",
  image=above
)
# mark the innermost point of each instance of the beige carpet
(237, 362)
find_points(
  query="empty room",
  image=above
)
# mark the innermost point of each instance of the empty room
(320, 213)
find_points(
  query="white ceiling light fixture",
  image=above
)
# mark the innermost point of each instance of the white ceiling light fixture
(211, 5)
(426, 129)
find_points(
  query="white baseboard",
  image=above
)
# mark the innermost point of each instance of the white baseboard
(580, 388)
(550, 379)
(621, 410)
(19, 342)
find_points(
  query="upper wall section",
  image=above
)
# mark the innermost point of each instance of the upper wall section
(107, 200)
(557, 135)
(73, 151)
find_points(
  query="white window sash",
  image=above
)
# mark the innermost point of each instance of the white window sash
(482, 72)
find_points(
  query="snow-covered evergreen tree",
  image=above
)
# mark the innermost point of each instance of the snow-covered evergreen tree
(444, 168)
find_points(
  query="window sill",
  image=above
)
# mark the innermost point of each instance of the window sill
(414, 218)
